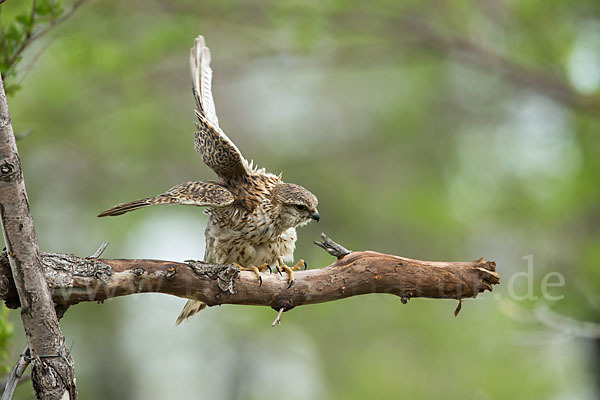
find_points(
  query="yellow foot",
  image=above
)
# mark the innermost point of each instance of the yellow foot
(254, 269)
(300, 265)
(290, 271)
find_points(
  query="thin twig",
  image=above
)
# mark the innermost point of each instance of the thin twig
(278, 318)
(31, 37)
(33, 60)
(100, 250)
(32, 20)
(57, 21)
(25, 378)
(458, 308)
(26, 42)
(15, 375)
(333, 248)
(4, 49)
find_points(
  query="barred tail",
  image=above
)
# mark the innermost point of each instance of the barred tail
(123, 208)
(191, 308)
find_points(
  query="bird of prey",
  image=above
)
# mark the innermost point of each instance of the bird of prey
(253, 214)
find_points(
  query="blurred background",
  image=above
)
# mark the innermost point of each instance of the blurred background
(437, 130)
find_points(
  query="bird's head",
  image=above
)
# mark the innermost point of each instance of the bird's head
(298, 205)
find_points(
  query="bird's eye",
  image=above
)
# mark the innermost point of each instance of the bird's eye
(300, 207)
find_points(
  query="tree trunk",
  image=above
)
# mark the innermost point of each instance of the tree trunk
(52, 365)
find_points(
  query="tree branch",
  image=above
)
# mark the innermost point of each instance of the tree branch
(31, 36)
(52, 368)
(336, 250)
(470, 52)
(14, 378)
(73, 279)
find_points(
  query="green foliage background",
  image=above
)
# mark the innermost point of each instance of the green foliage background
(441, 130)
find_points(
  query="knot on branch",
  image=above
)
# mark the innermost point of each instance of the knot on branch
(5, 119)
(9, 169)
(53, 376)
(224, 274)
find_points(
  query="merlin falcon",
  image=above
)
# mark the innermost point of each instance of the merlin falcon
(253, 214)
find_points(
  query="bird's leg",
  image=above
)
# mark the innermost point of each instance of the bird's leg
(254, 269)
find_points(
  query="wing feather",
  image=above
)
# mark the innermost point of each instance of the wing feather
(202, 80)
(202, 194)
(213, 145)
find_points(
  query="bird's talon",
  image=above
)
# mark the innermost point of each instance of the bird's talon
(252, 268)
(270, 270)
(299, 265)
(291, 283)
(279, 270)
(290, 272)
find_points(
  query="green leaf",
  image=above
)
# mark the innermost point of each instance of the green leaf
(49, 8)
(25, 20)
(42, 8)
(15, 33)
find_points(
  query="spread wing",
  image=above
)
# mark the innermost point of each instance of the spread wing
(203, 194)
(215, 148)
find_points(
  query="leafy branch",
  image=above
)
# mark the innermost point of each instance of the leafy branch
(26, 28)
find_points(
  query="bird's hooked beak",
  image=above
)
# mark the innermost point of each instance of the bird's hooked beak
(315, 216)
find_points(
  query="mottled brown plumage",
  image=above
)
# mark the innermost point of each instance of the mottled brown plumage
(191, 193)
(253, 214)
